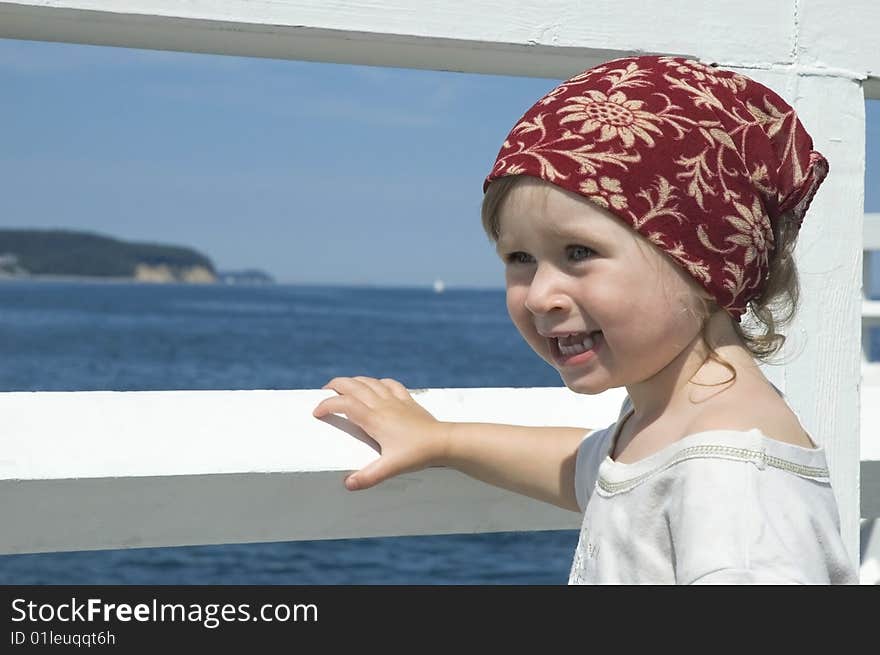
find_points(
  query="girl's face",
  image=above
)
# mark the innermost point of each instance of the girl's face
(572, 267)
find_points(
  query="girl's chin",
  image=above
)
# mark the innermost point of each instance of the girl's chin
(585, 387)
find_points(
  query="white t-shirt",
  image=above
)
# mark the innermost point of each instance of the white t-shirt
(721, 506)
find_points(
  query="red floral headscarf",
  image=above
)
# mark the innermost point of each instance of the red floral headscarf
(700, 161)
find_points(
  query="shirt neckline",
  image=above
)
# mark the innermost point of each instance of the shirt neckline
(745, 445)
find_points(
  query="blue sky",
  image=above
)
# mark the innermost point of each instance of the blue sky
(316, 173)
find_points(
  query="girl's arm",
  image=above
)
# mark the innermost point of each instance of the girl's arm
(534, 461)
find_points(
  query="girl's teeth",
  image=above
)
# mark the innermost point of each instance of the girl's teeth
(577, 348)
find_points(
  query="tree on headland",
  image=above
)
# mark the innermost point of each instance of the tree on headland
(65, 252)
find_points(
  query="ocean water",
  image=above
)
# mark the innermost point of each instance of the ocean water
(70, 336)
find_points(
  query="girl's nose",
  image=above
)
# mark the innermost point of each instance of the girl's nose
(545, 294)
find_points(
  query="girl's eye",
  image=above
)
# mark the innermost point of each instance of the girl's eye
(519, 258)
(579, 253)
(576, 253)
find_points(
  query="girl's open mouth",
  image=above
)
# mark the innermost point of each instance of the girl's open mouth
(575, 349)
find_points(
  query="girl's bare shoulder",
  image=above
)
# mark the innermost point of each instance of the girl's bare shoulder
(749, 408)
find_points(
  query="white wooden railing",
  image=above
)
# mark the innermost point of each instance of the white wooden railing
(870, 308)
(870, 411)
(102, 470)
(89, 470)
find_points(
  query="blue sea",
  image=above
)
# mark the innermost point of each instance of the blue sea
(77, 336)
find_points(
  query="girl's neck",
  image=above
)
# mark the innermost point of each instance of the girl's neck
(681, 385)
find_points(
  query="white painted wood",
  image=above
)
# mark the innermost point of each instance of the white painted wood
(96, 470)
(553, 39)
(869, 478)
(872, 231)
(870, 374)
(822, 354)
(870, 428)
(870, 485)
(869, 571)
(870, 308)
(871, 312)
(840, 36)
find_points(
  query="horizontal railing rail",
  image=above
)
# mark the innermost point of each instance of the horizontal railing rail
(870, 308)
(103, 470)
(871, 231)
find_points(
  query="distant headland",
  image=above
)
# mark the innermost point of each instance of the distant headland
(36, 254)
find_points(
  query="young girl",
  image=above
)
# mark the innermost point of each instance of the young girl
(641, 208)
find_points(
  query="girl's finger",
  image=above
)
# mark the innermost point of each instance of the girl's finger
(353, 387)
(396, 388)
(378, 388)
(353, 409)
(369, 476)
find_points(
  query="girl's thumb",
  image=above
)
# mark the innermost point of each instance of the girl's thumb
(369, 476)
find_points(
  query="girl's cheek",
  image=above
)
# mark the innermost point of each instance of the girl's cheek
(522, 318)
(516, 298)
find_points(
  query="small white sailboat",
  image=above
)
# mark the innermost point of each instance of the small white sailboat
(439, 286)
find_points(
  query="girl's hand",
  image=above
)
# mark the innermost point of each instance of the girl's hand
(410, 438)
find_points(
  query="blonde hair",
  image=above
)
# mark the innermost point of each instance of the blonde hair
(772, 309)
